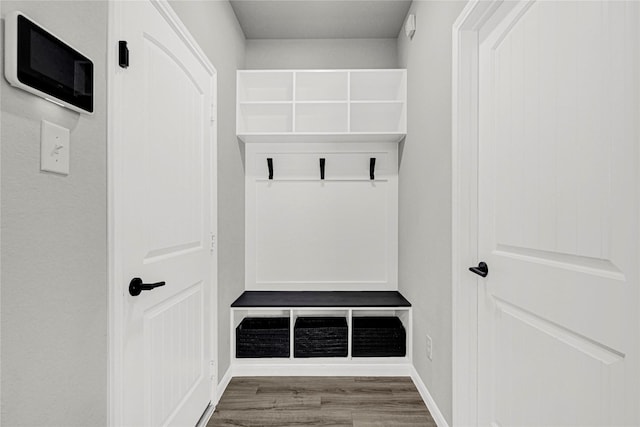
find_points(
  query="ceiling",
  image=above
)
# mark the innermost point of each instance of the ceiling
(320, 19)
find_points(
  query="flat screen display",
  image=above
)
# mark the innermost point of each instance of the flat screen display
(51, 66)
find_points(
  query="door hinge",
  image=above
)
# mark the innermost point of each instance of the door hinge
(212, 369)
(213, 113)
(213, 242)
(123, 54)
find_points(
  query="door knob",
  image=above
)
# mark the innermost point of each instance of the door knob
(481, 270)
(136, 286)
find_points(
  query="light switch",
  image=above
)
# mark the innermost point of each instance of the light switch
(54, 148)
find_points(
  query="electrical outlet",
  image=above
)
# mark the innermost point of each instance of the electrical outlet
(429, 348)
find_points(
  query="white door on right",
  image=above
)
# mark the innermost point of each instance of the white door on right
(558, 324)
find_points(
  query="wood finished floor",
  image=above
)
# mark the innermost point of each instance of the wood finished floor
(321, 401)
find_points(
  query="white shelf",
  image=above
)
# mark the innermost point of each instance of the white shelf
(311, 137)
(320, 102)
(376, 101)
(321, 105)
(265, 103)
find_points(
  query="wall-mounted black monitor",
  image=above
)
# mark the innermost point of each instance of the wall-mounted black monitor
(41, 63)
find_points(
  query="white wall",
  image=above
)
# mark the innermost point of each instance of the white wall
(321, 54)
(215, 27)
(425, 192)
(54, 243)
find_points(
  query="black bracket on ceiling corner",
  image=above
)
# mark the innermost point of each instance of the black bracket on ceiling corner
(372, 168)
(270, 166)
(123, 54)
(322, 163)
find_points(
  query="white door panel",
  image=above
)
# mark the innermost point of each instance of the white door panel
(168, 96)
(558, 215)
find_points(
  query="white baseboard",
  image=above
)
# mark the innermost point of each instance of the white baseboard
(204, 419)
(222, 385)
(428, 399)
(319, 370)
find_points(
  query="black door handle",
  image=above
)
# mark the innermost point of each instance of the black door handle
(481, 270)
(136, 286)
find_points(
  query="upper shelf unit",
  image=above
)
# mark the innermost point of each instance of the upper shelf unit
(321, 105)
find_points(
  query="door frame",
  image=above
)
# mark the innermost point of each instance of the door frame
(464, 209)
(116, 209)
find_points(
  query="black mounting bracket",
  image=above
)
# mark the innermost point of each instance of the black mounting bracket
(270, 166)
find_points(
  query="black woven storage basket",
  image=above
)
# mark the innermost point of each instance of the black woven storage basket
(320, 337)
(262, 337)
(378, 337)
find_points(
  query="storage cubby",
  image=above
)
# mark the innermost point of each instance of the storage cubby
(321, 117)
(378, 85)
(325, 323)
(263, 337)
(378, 117)
(266, 118)
(265, 86)
(322, 86)
(378, 336)
(321, 105)
(320, 336)
(264, 321)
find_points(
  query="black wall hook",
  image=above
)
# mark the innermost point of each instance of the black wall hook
(372, 168)
(270, 165)
(322, 162)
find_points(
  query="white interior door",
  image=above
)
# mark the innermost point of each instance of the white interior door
(166, 219)
(558, 214)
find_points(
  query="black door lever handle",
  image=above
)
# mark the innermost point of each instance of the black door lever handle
(481, 270)
(136, 286)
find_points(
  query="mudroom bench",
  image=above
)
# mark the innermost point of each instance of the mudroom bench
(321, 327)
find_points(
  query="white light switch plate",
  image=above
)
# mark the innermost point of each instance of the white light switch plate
(54, 148)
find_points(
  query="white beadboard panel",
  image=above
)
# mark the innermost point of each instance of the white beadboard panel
(305, 233)
(177, 128)
(178, 358)
(321, 232)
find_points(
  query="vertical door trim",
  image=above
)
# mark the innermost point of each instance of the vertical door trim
(115, 208)
(464, 221)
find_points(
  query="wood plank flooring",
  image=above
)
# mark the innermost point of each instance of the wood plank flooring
(321, 401)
